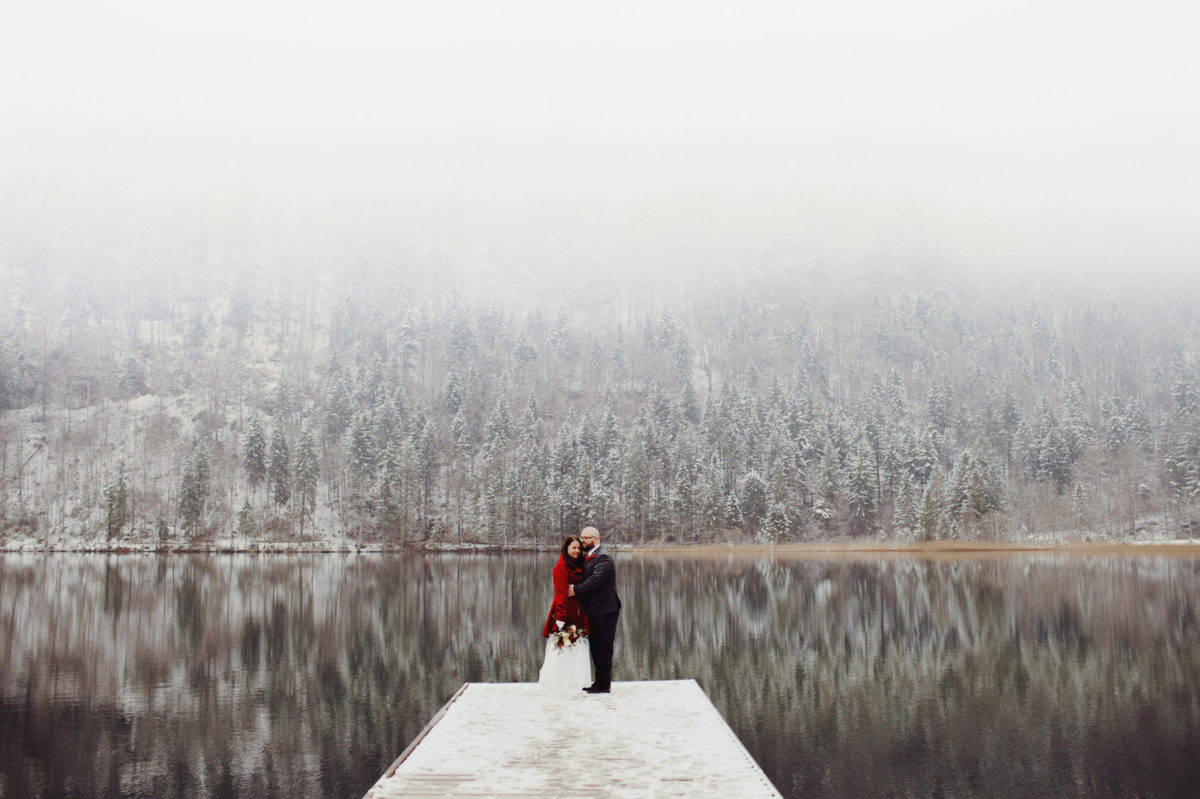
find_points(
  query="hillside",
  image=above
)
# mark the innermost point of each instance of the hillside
(384, 406)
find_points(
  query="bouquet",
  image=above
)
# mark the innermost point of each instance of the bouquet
(565, 635)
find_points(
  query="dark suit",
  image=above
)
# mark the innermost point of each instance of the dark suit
(598, 594)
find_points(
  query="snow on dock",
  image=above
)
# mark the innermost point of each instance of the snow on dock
(645, 739)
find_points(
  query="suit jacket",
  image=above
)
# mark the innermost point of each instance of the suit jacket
(598, 590)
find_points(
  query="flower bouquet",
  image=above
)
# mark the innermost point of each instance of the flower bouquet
(565, 635)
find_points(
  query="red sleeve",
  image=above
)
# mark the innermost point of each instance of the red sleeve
(559, 606)
(560, 582)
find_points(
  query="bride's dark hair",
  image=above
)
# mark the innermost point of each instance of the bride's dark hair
(567, 558)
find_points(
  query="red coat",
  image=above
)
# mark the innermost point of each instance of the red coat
(565, 608)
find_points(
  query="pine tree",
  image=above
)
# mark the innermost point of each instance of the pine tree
(461, 467)
(452, 392)
(920, 454)
(116, 502)
(662, 414)
(524, 353)
(391, 489)
(686, 496)
(637, 485)
(193, 491)
(714, 501)
(279, 468)
(957, 488)
(1054, 459)
(307, 470)
(254, 451)
(862, 498)
(360, 449)
(733, 510)
(619, 362)
(339, 406)
(685, 355)
(941, 396)
(9, 383)
(1079, 508)
(929, 515)
(754, 495)
(1075, 425)
(893, 393)
(1181, 463)
(384, 424)
(977, 487)
(285, 403)
(493, 489)
(533, 491)
(606, 485)
(777, 526)
(904, 512)
(1185, 386)
(580, 503)
(530, 430)
(246, 527)
(689, 405)
(1114, 425)
(426, 448)
(1009, 417)
(826, 489)
(463, 343)
(783, 471)
(499, 425)
(1026, 449)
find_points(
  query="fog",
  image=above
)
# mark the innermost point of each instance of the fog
(531, 139)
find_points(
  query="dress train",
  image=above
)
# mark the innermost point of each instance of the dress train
(566, 669)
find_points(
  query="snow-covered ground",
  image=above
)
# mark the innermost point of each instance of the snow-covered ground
(646, 739)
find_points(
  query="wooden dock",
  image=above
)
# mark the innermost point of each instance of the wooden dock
(645, 739)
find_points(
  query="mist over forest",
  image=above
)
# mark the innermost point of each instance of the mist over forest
(395, 403)
(378, 274)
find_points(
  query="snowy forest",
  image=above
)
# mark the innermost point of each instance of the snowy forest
(387, 407)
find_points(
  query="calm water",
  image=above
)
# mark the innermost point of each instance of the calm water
(282, 676)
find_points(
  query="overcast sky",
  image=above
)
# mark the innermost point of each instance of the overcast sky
(609, 136)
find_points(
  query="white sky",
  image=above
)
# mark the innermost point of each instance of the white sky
(610, 135)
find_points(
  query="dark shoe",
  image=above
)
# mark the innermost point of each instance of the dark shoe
(591, 689)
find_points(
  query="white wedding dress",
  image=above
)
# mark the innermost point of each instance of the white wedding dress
(567, 669)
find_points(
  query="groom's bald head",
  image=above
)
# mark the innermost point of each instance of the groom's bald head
(589, 536)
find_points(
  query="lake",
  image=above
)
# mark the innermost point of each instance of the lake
(1027, 674)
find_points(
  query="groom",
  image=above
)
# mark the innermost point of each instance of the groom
(598, 595)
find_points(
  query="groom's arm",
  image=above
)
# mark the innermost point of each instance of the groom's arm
(602, 571)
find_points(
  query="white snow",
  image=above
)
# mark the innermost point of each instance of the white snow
(645, 739)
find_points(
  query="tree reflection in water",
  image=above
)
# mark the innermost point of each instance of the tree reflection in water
(221, 676)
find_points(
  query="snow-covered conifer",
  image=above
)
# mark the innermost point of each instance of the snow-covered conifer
(193, 491)
(254, 451)
(279, 467)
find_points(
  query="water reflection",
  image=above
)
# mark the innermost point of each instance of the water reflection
(300, 676)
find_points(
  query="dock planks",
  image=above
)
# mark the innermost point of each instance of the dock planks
(646, 739)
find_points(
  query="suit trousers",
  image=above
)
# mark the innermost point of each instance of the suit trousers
(604, 632)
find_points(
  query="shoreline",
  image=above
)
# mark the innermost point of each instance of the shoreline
(936, 549)
(814, 550)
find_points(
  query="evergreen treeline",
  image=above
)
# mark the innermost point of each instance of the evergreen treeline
(783, 407)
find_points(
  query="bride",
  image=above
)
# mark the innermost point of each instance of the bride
(568, 663)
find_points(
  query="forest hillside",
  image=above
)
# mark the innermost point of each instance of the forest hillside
(384, 407)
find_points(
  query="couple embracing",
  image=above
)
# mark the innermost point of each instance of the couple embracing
(583, 619)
